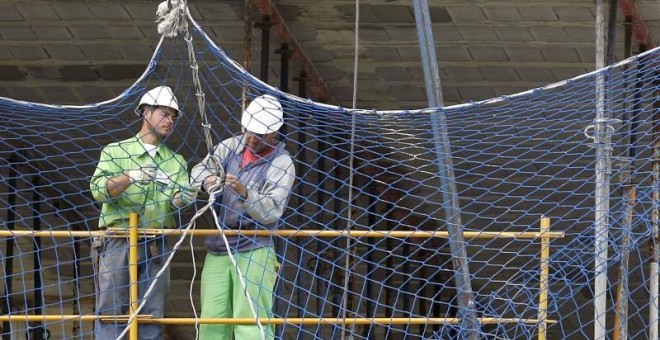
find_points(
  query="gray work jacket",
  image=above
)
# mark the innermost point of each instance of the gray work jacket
(269, 181)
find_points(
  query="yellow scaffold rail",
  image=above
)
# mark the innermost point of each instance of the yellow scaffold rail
(252, 321)
(133, 272)
(543, 280)
(134, 232)
(119, 232)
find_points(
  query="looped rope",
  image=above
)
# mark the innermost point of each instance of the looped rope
(171, 18)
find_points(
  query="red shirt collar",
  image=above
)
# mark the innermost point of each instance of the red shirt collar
(250, 157)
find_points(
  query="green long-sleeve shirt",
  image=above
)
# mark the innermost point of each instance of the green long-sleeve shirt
(152, 201)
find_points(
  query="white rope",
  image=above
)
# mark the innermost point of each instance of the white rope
(189, 226)
(201, 101)
(192, 284)
(238, 270)
(170, 17)
(349, 220)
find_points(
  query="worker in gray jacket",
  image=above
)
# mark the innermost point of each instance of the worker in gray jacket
(250, 175)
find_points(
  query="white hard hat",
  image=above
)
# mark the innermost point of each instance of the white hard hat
(263, 115)
(159, 96)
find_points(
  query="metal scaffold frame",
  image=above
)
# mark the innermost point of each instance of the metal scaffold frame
(134, 233)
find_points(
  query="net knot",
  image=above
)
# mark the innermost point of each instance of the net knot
(170, 17)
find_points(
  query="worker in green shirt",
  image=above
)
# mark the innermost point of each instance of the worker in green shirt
(138, 175)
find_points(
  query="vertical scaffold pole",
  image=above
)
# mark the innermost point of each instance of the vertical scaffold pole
(545, 273)
(12, 189)
(37, 330)
(247, 46)
(602, 138)
(133, 271)
(304, 170)
(630, 196)
(629, 189)
(465, 295)
(655, 215)
(265, 26)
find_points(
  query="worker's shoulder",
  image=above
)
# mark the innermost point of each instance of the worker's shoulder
(123, 144)
(167, 150)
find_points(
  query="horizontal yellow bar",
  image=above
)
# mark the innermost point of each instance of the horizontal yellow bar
(252, 321)
(113, 232)
(336, 321)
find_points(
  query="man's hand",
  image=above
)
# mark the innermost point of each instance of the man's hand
(236, 185)
(212, 183)
(187, 194)
(143, 175)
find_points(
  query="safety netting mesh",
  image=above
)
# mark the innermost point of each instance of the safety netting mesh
(513, 160)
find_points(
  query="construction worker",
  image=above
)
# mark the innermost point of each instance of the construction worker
(140, 175)
(251, 196)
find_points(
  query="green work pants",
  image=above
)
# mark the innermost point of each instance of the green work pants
(223, 294)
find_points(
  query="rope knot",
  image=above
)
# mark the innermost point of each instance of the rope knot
(170, 17)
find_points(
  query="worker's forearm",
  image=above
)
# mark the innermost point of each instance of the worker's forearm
(117, 185)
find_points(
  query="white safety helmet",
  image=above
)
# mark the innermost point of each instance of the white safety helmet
(263, 115)
(159, 96)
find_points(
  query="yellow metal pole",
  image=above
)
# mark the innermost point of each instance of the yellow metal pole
(543, 295)
(337, 321)
(133, 272)
(121, 232)
(252, 321)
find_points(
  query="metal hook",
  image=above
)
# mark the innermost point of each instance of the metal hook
(607, 121)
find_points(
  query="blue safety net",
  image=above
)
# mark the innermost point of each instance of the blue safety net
(407, 224)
